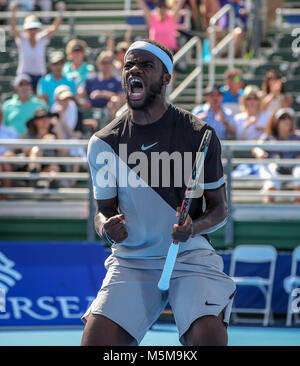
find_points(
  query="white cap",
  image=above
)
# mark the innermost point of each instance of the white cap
(31, 24)
(63, 92)
(283, 111)
(21, 77)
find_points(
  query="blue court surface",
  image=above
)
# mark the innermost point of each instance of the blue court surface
(159, 335)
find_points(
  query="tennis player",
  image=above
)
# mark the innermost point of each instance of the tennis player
(138, 195)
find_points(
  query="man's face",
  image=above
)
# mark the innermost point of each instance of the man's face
(234, 82)
(57, 67)
(24, 88)
(142, 79)
(106, 65)
(214, 98)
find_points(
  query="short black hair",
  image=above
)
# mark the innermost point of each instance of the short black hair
(162, 47)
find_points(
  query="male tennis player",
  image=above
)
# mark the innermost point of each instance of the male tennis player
(137, 195)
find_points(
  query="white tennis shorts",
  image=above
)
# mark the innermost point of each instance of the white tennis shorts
(129, 295)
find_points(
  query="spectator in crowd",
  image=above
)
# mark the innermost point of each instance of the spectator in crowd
(6, 133)
(76, 67)
(44, 126)
(69, 114)
(281, 127)
(102, 90)
(119, 51)
(22, 105)
(32, 43)
(217, 116)
(162, 22)
(70, 121)
(48, 83)
(251, 123)
(240, 23)
(232, 90)
(208, 8)
(275, 96)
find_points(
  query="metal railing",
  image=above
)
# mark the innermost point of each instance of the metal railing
(229, 162)
(227, 41)
(197, 73)
(283, 12)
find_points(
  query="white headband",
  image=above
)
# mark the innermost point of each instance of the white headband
(158, 52)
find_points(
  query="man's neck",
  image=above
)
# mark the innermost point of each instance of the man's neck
(57, 76)
(24, 99)
(150, 114)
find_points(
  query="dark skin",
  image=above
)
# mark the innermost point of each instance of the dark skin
(206, 330)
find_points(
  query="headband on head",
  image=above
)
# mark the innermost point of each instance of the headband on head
(156, 51)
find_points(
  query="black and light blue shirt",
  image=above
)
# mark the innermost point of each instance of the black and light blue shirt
(124, 159)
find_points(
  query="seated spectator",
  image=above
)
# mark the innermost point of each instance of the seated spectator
(162, 22)
(70, 121)
(6, 133)
(45, 126)
(281, 127)
(48, 83)
(76, 67)
(22, 105)
(251, 123)
(215, 114)
(275, 96)
(232, 90)
(32, 43)
(102, 90)
(69, 115)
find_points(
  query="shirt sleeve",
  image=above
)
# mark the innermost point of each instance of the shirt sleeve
(213, 168)
(102, 163)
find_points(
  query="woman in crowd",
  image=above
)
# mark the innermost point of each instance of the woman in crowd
(251, 123)
(32, 43)
(162, 22)
(76, 67)
(281, 127)
(44, 126)
(275, 96)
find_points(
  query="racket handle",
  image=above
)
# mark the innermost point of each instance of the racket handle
(164, 281)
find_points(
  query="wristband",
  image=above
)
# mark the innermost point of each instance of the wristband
(106, 237)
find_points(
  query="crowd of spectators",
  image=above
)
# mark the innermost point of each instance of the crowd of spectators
(53, 90)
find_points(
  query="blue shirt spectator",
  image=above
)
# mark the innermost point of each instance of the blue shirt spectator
(101, 89)
(213, 113)
(232, 90)
(99, 83)
(48, 83)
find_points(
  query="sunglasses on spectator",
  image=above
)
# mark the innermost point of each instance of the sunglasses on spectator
(235, 78)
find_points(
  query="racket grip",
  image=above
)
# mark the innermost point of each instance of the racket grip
(164, 281)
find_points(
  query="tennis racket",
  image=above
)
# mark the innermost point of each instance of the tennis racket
(164, 281)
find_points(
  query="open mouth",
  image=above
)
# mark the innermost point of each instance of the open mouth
(136, 88)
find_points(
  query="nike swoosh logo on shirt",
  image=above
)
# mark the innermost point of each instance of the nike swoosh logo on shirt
(148, 147)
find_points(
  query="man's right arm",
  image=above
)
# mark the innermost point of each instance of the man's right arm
(109, 222)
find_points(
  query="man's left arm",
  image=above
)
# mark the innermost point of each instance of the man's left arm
(214, 217)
